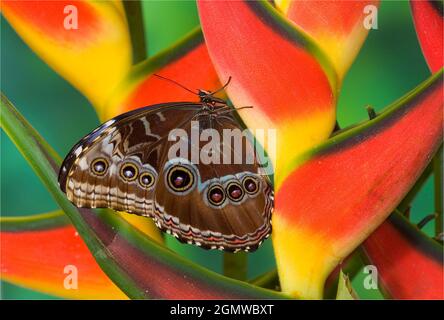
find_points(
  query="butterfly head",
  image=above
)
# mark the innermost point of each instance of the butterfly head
(209, 100)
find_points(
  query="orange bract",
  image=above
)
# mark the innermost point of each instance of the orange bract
(22, 263)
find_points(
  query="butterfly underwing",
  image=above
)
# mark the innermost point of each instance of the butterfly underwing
(129, 164)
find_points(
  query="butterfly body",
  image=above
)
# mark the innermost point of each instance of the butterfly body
(211, 200)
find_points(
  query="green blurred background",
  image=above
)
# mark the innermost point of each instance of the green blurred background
(389, 64)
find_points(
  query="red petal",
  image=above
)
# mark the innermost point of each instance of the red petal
(94, 58)
(37, 259)
(409, 264)
(428, 17)
(340, 193)
(337, 26)
(187, 63)
(276, 69)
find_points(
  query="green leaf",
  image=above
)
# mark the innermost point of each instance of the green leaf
(345, 289)
(138, 266)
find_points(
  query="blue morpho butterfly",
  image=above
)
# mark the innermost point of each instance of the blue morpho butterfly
(125, 164)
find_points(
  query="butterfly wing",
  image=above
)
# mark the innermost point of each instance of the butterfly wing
(116, 165)
(225, 205)
(125, 164)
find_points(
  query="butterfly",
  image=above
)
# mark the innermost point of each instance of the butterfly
(129, 164)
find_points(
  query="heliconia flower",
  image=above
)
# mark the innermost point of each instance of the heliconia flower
(428, 18)
(288, 65)
(314, 228)
(341, 191)
(24, 239)
(86, 42)
(338, 27)
(276, 69)
(187, 63)
(95, 60)
(409, 264)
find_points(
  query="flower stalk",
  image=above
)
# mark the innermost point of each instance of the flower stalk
(235, 265)
(438, 176)
(134, 15)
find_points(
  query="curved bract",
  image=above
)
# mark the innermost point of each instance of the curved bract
(339, 27)
(286, 59)
(428, 18)
(276, 69)
(25, 240)
(341, 191)
(86, 42)
(409, 264)
(187, 62)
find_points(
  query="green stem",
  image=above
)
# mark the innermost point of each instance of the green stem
(235, 265)
(134, 15)
(424, 221)
(438, 175)
(405, 203)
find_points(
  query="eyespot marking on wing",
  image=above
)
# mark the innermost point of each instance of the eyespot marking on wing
(180, 176)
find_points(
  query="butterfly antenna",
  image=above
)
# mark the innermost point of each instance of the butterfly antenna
(245, 107)
(223, 87)
(176, 83)
(224, 111)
